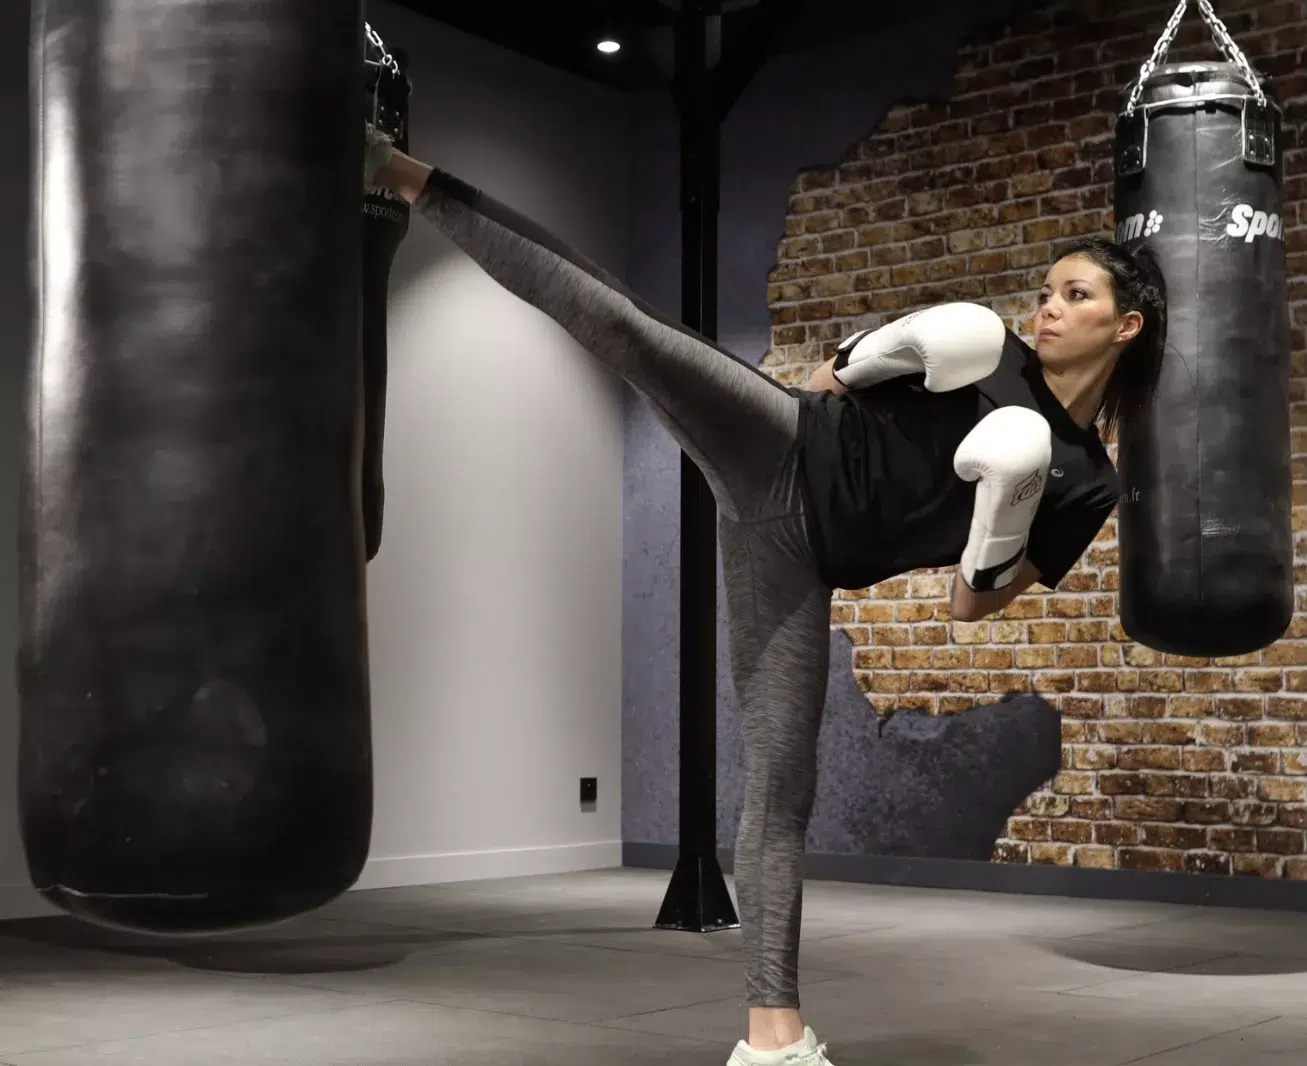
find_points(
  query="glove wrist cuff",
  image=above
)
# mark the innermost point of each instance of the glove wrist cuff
(989, 574)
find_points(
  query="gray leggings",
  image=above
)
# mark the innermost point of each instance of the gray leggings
(740, 428)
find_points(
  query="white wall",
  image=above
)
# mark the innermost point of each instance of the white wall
(496, 599)
(495, 604)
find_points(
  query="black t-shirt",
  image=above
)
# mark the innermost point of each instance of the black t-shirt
(883, 497)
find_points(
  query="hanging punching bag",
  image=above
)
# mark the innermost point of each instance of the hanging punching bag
(195, 743)
(1206, 548)
(385, 224)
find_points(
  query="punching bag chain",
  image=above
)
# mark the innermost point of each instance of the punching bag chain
(387, 60)
(1224, 42)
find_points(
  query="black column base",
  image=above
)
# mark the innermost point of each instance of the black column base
(697, 899)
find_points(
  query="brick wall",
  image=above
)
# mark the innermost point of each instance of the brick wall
(1169, 763)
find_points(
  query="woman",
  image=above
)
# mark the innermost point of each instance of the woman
(938, 440)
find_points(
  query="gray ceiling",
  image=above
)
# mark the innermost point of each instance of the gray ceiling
(563, 33)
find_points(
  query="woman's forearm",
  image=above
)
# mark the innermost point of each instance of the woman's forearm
(823, 379)
(968, 605)
(404, 176)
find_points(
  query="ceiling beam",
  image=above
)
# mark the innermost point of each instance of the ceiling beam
(749, 49)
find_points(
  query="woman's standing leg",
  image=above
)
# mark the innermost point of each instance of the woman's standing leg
(779, 617)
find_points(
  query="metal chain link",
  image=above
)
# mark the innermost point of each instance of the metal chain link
(1232, 50)
(387, 60)
(1224, 42)
(1159, 53)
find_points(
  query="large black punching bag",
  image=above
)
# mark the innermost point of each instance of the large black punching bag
(385, 224)
(1206, 548)
(195, 739)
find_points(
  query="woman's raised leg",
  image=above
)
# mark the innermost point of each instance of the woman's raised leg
(737, 425)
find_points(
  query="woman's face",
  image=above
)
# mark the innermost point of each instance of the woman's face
(1077, 323)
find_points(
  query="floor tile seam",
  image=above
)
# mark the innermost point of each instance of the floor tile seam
(1202, 1040)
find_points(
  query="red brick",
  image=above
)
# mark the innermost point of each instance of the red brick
(1182, 838)
(1207, 812)
(1150, 859)
(1225, 838)
(1281, 841)
(1266, 866)
(1148, 808)
(1207, 862)
(1011, 851)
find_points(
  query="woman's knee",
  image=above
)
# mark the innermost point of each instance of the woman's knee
(785, 795)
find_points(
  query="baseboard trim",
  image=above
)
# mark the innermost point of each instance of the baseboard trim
(447, 867)
(19, 901)
(1032, 880)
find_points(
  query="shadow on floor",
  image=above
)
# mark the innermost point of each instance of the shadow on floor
(1156, 958)
(277, 950)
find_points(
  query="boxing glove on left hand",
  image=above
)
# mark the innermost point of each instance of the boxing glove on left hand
(1008, 453)
(377, 151)
(953, 344)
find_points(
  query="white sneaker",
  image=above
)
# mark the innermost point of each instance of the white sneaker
(807, 1052)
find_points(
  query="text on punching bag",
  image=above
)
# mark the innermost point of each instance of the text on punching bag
(1249, 223)
(1246, 222)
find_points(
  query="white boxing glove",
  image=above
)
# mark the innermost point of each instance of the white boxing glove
(377, 150)
(1009, 453)
(955, 344)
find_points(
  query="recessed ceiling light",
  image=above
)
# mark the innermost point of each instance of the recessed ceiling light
(608, 47)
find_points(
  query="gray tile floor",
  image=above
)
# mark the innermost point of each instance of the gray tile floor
(565, 971)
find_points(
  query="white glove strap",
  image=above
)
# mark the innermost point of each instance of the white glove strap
(991, 561)
(992, 558)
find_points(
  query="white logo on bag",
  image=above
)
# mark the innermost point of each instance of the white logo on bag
(1137, 226)
(1249, 223)
(1246, 222)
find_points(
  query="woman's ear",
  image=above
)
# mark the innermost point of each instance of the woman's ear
(1131, 324)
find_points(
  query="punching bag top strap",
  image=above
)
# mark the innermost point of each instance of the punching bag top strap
(387, 88)
(1232, 52)
(1189, 86)
(1180, 85)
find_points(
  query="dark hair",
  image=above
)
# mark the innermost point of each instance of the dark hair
(1137, 285)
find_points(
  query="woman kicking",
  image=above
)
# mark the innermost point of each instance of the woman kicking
(938, 440)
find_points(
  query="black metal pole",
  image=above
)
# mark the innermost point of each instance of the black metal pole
(697, 898)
